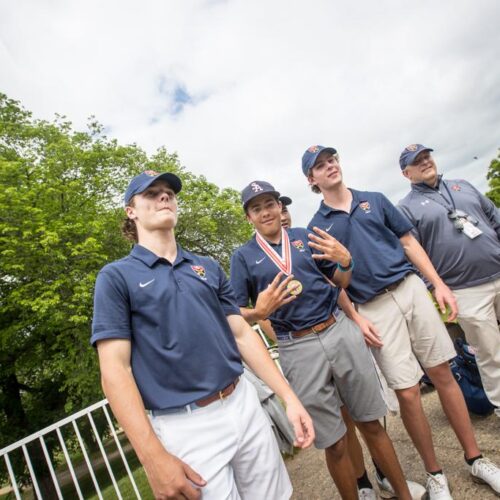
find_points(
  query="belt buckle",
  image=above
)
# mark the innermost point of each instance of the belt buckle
(313, 329)
(221, 395)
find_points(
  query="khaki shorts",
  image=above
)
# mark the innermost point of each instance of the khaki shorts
(411, 331)
(478, 315)
(329, 369)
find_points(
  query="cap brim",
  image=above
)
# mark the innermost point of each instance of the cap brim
(285, 200)
(275, 194)
(171, 179)
(330, 150)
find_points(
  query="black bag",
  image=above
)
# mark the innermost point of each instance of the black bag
(465, 370)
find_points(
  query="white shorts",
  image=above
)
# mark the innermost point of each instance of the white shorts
(230, 443)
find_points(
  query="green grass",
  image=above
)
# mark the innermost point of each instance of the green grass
(103, 478)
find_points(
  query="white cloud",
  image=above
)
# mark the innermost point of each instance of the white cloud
(267, 79)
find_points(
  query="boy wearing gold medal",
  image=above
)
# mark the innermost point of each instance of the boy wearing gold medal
(280, 275)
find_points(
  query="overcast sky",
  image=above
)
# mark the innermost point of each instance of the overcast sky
(240, 88)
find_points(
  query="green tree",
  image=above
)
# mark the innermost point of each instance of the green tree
(60, 212)
(493, 177)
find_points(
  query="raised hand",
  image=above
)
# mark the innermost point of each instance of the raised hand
(330, 248)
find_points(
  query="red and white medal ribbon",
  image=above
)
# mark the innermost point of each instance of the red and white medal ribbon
(282, 262)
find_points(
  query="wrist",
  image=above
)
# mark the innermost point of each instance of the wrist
(349, 265)
(288, 396)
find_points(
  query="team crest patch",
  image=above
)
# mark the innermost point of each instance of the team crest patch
(151, 173)
(364, 205)
(299, 245)
(200, 271)
(313, 149)
(411, 147)
(456, 187)
(256, 187)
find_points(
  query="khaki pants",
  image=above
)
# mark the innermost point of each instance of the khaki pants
(478, 315)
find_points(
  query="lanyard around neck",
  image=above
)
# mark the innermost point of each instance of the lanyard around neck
(282, 262)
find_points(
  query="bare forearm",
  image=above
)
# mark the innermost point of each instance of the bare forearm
(267, 328)
(342, 278)
(417, 256)
(121, 390)
(251, 315)
(346, 305)
(255, 355)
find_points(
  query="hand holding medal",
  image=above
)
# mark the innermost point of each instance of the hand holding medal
(277, 294)
(289, 287)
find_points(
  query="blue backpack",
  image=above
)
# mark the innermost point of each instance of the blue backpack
(464, 368)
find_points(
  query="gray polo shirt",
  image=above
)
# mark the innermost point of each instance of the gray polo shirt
(460, 261)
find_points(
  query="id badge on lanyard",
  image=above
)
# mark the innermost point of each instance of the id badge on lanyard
(463, 222)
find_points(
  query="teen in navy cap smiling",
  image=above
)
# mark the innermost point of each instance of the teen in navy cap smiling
(322, 352)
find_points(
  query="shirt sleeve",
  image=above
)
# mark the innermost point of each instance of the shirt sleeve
(394, 219)
(226, 295)
(240, 279)
(489, 209)
(111, 318)
(407, 214)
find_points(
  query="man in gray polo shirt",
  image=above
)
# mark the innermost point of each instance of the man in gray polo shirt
(459, 229)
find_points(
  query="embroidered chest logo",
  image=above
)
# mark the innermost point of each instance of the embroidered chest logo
(256, 187)
(299, 245)
(200, 271)
(365, 206)
(456, 187)
(425, 202)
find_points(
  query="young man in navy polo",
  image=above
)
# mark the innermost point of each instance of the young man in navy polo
(169, 336)
(395, 309)
(322, 353)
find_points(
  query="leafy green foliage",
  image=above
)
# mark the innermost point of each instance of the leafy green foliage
(493, 177)
(60, 214)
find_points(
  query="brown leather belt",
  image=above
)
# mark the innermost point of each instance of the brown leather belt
(392, 286)
(315, 329)
(224, 393)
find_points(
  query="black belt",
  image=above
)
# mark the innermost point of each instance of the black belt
(392, 286)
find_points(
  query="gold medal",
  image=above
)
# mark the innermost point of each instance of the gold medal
(295, 287)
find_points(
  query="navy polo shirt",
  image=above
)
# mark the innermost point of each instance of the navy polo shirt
(175, 318)
(252, 271)
(371, 231)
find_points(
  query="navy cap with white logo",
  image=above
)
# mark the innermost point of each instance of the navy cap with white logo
(311, 155)
(142, 181)
(256, 188)
(409, 154)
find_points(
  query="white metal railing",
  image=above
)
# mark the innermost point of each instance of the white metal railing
(71, 422)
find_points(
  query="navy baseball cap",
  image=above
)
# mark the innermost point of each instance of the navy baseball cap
(311, 155)
(285, 200)
(142, 181)
(256, 188)
(409, 154)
